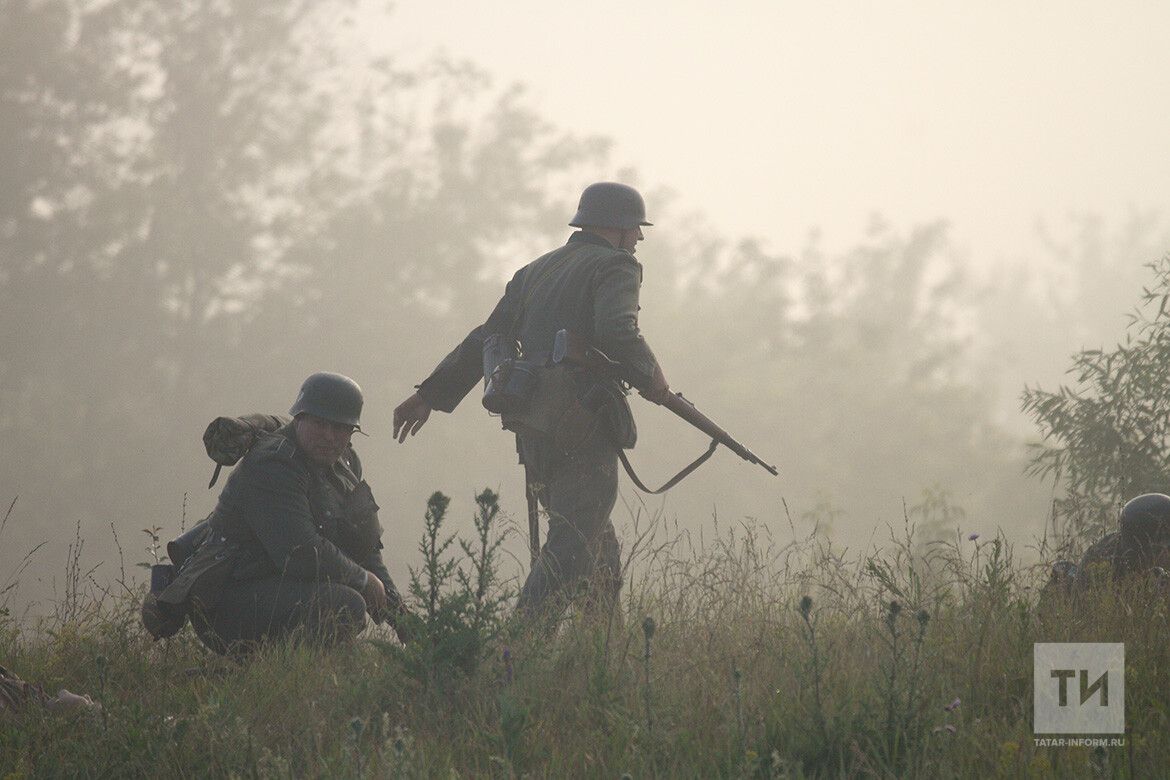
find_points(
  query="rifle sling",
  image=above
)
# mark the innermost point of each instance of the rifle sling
(677, 478)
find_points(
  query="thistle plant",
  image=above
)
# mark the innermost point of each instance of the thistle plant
(462, 601)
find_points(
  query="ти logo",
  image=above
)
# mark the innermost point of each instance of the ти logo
(1079, 688)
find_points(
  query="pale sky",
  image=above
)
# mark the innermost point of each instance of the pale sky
(771, 118)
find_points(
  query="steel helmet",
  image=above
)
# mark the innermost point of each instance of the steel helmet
(608, 204)
(1145, 530)
(1145, 510)
(332, 397)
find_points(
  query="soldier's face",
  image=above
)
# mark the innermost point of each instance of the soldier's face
(323, 441)
(630, 238)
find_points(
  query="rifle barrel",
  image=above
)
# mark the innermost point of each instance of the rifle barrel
(678, 404)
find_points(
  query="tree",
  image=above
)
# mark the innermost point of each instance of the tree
(205, 200)
(853, 371)
(1106, 438)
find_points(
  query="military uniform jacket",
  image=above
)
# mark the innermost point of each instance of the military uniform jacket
(282, 515)
(586, 286)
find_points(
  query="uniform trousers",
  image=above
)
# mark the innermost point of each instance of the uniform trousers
(581, 549)
(251, 612)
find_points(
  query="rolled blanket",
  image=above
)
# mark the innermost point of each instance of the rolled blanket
(227, 439)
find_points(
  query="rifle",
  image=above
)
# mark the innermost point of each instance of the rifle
(573, 349)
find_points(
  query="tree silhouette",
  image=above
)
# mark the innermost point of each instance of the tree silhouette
(208, 201)
(1107, 437)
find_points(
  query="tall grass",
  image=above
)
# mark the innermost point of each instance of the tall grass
(737, 655)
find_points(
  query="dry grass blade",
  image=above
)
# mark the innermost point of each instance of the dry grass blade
(8, 514)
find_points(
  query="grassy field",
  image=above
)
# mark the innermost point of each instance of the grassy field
(743, 655)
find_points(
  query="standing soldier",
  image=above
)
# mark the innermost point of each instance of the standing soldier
(568, 423)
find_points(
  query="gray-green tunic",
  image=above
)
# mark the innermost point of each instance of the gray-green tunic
(591, 288)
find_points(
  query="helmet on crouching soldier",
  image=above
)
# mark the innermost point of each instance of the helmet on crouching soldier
(332, 397)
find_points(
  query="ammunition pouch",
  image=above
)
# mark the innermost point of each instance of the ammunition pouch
(509, 380)
(511, 387)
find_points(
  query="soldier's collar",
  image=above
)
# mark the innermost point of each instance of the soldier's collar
(589, 238)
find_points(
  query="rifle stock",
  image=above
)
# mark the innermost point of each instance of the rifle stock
(571, 348)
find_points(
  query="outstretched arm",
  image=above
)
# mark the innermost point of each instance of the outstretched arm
(454, 377)
(409, 416)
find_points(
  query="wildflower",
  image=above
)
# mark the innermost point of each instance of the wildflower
(953, 705)
(972, 536)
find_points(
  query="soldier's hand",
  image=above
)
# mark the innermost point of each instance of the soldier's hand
(659, 388)
(375, 595)
(409, 416)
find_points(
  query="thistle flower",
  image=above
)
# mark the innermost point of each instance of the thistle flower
(972, 536)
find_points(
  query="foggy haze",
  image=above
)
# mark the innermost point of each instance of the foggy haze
(201, 204)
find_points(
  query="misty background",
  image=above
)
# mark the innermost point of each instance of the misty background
(871, 231)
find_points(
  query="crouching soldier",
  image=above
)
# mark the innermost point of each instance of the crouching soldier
(293, 546)
(1139, 547)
